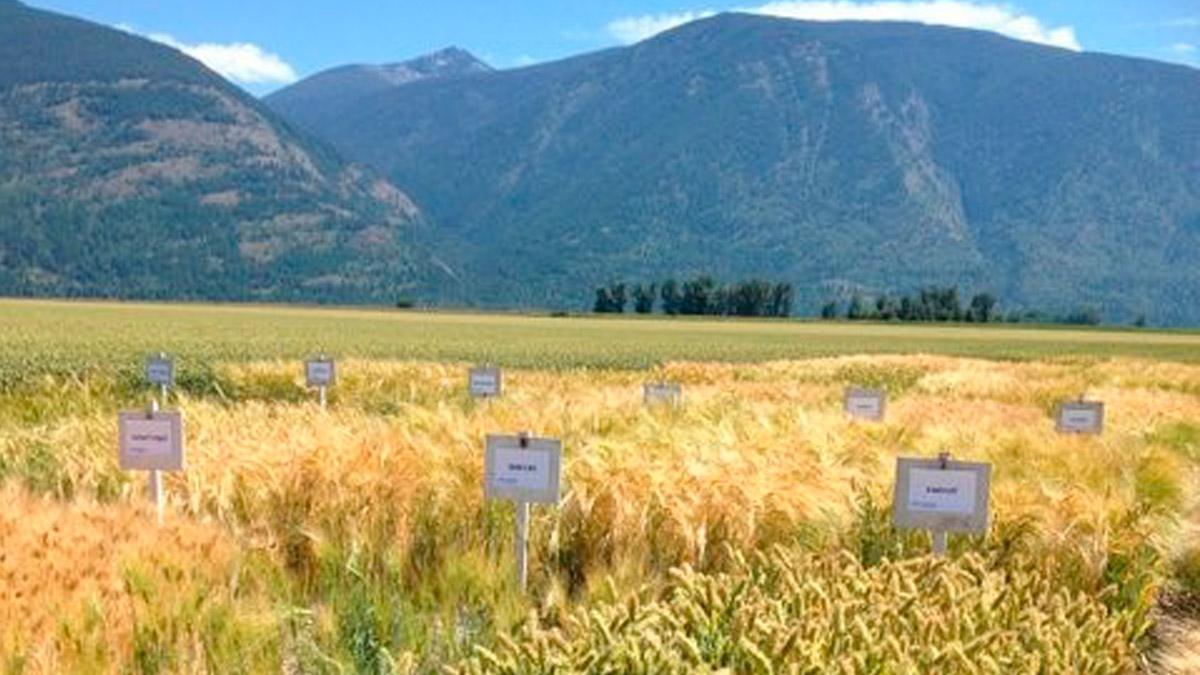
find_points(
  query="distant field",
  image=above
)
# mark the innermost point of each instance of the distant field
(40, 336)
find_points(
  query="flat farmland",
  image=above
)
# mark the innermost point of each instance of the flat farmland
(39, 335)
(746, 530)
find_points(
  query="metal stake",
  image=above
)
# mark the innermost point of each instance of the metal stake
(163, 386)
(156, 493)
(155, 486)
(321, 389)
(522, 538)
(522, 543)
(939, 543)
(939, 536)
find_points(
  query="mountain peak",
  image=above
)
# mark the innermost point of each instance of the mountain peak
(455, 55)
(447, 62)
(356, 81)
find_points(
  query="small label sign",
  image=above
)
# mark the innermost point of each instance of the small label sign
(484, 382)
(938, 491)
(1080, 417)
(149, 443)
(518, 469)
(160, 370)
(655, 393)
(867, 404)
(528, 474)
(950, 498)
(320, 372)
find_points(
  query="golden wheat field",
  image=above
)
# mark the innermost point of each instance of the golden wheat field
(745, 531)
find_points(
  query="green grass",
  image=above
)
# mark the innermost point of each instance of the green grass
(46, 336)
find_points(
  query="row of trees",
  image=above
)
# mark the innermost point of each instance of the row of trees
(699, 296)
(943, 303)
(703, 295)
(934, 303)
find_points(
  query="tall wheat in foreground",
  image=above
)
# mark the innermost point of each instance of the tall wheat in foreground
(742, 530)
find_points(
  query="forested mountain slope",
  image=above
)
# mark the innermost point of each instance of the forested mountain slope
(129, 169)
(836, 156)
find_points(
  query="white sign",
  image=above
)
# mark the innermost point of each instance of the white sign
(662, 392)
(149, 443)
(1080, 417)
(484, 382)
(941, 491)
(948, 497)
(527, 473)
(320, 372)
(517, 469)
(160, 370)
(869, 404)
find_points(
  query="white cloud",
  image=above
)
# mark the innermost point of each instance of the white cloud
(1183, 22)
(241, 62)
(1183, 48)
(636, 28)
(958, 13)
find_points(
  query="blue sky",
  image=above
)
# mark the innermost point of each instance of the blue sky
(264, 44)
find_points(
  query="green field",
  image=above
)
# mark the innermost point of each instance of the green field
(50, 336)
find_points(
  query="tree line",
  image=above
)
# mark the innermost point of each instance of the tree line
(701, 296)
(704, 296)
(943, 303)
(935, 303)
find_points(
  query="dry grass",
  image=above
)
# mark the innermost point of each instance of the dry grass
(379, 500)
(73, 577)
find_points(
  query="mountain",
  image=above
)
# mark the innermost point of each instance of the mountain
(840, 156)
(308, 97)
(129, 169)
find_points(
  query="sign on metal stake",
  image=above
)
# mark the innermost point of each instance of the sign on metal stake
(868, 404)
(151, 440)
(484, 382)
(523, 470)
(669, 393)
(941, 495)
(160, 370)
(320, 372)
(1080, 417)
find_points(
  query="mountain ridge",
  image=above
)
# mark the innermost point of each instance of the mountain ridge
(359, 80)
(841, 155)
(131, 170)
